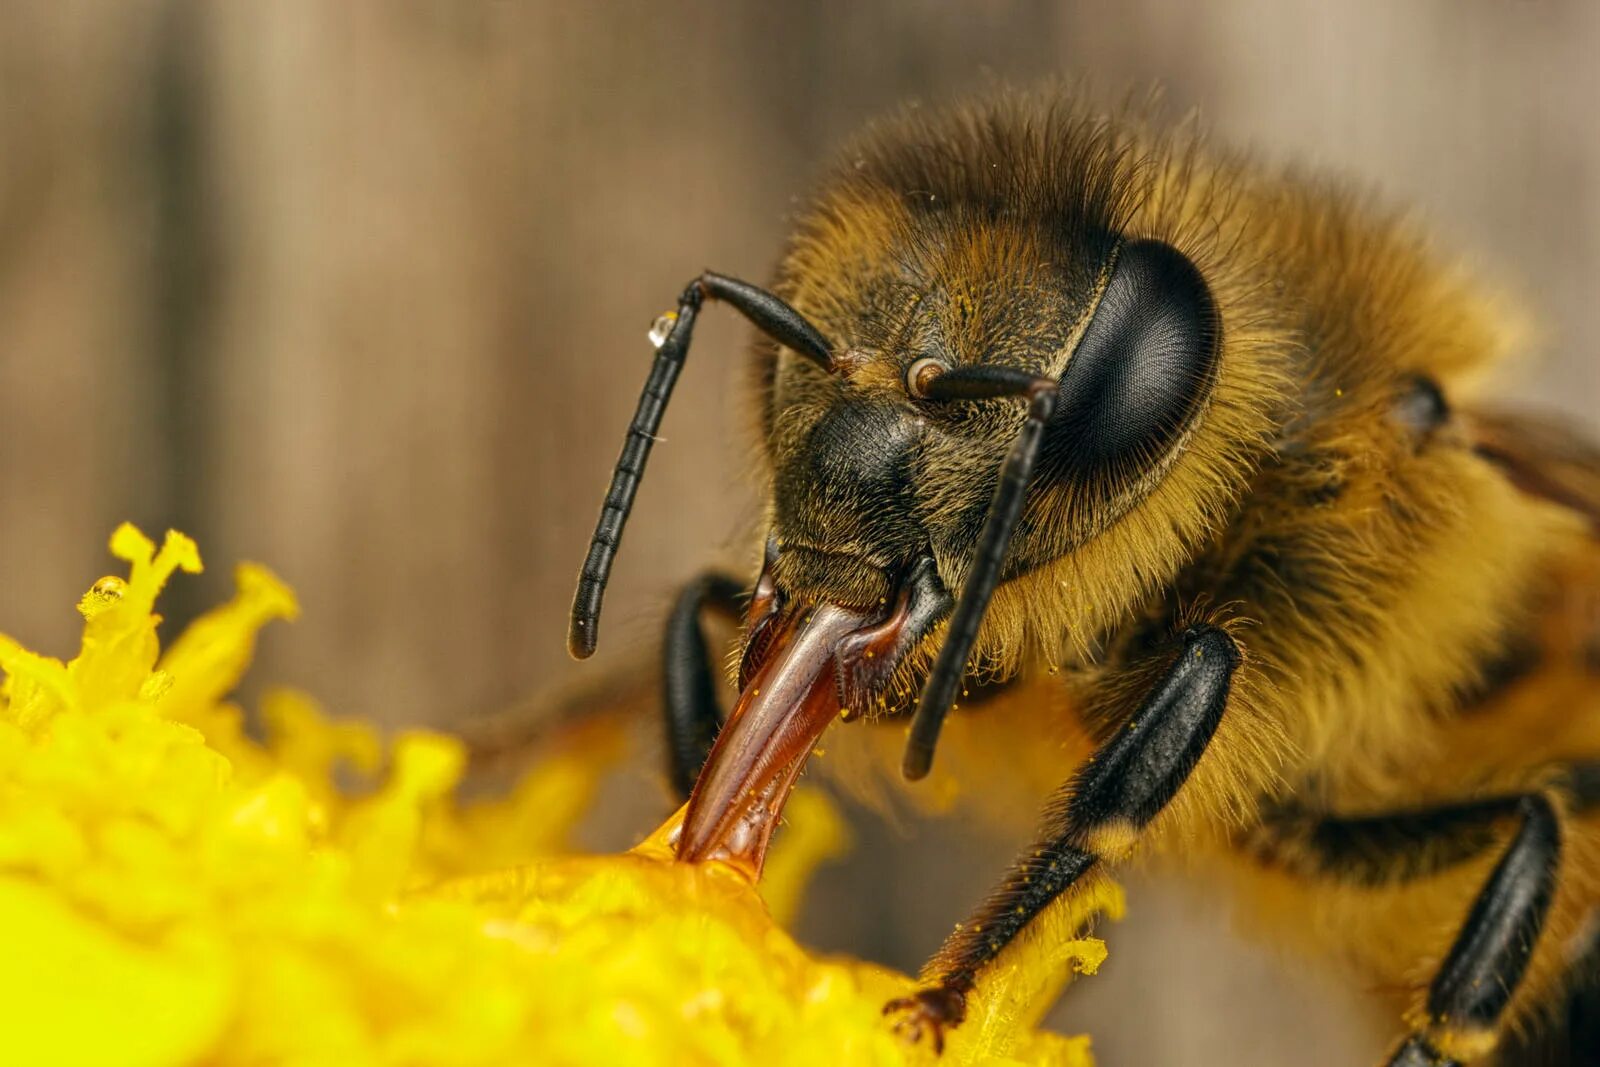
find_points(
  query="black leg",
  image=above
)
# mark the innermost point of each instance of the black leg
(1382, 849)
(1490, 955)
(1390, 847)
(689, 676)
(1099, 813)
(1468, 997)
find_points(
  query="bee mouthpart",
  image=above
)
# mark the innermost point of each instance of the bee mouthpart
(867, 659)
(802, 666)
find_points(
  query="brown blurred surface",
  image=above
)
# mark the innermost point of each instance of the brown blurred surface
(360, 290)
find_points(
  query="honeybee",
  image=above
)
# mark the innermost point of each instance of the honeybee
(1075, 404)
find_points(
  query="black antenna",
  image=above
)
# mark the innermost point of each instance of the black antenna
(981, 381)
(771, 316)
(939, 693)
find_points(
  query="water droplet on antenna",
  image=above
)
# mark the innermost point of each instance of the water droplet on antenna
(662, 327)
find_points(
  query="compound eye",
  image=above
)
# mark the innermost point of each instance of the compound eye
(921, 374)
(1142, 370)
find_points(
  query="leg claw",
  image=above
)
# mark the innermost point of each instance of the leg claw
(928, 1011)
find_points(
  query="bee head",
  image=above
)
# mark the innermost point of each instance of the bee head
(976, 377)
(882, 462)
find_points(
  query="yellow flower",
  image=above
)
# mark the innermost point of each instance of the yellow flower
(174, 891)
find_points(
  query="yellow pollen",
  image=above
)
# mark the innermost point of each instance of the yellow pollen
(203, 882)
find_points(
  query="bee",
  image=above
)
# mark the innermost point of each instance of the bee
(1072, 404)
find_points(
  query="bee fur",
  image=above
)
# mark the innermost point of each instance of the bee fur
(1405, 578)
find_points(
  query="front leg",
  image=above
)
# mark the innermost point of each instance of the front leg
(692, 715)
(1098, 815)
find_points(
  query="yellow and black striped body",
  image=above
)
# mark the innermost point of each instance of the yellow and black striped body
(1314, 610)
(1410, 582)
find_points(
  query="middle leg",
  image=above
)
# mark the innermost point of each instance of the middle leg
(1487, 978)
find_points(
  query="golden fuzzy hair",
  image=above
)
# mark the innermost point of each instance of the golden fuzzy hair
(1373, 575)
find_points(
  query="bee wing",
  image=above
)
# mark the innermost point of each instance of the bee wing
(1544, 456)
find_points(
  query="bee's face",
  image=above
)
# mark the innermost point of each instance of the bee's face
(938, 280)
(880, 495)
(868, 478)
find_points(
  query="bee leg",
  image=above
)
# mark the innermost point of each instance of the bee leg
(1383, 849)
(1467, 1001)
(692, 715)
(1480, 975)
(1098, 815)
(1485, 965)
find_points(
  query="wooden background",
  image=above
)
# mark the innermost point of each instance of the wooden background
(360, 290)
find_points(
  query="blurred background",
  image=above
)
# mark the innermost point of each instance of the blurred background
(360, 290)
